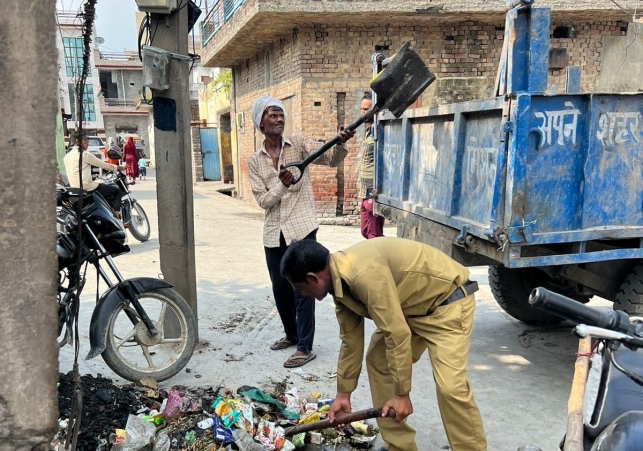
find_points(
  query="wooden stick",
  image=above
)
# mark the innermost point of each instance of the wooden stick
(343, 419)
(575, 429)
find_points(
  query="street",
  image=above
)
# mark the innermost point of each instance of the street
(521, 376)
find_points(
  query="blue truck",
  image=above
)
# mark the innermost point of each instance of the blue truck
(545, 189)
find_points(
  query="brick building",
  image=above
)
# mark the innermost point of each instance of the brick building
(315, 56)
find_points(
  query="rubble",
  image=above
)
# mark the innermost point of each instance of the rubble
(149, 418)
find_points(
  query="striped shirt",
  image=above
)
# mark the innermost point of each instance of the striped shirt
(290, 211)
(366, 168)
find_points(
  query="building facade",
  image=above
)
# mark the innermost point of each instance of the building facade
(315, 55)
(70, 62)
(122, 97)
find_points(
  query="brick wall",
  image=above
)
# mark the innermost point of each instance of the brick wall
(197, 156)
(326, 69)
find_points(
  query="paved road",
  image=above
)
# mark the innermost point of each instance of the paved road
(521, 376)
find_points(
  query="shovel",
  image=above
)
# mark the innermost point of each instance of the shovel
(340, 419)
(397, 87)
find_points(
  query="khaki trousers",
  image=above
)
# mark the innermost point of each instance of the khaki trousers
(446, 334)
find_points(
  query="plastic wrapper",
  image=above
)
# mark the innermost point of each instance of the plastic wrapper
(305, 375)
(265, 443)
(362, 428)
(178, 404)
(245, 442)
(288, 446)
(162, 442)
(311, 418)
(221, 435)
(226, 412)
(299, 440)
(138, 433)
(292, 399)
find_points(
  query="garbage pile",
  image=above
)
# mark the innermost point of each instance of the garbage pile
(146, 417)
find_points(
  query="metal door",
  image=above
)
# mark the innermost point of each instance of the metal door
(210, 151)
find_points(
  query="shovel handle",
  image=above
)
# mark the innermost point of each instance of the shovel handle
(327, 145)
(342, 419)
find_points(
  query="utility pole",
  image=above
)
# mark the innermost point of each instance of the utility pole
(28, 265)
(171, 109)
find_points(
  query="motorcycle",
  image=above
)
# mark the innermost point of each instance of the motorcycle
(132, 214)
(605, 406)
(140, 326)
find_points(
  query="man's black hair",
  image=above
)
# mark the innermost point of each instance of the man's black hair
(303, 257)
(78, 136)
(368, 96)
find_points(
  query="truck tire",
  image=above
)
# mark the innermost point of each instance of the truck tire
(511, 288)
(630, 296)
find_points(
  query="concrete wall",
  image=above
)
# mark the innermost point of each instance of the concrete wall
(124, 78)
(28, 266)
(623, 62)
(324, 71)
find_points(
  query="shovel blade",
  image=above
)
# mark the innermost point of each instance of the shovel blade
(402, 81)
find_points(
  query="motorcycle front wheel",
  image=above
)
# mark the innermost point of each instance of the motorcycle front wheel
(139, 225)
(132, 353)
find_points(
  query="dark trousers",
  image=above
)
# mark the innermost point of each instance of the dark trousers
(371, 226)
(297, 312)
(112, 194)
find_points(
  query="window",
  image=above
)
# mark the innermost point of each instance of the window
(74, 56)
(563, 32)
(88, 101)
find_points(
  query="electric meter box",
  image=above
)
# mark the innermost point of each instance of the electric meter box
(156, 6)
(155, 68)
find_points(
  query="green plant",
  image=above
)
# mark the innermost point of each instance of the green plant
(223, 81)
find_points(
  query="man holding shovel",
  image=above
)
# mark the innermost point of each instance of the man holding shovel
(419, 299)
(289, 215)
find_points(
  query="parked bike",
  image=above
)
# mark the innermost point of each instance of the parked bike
(606, 406)
(132, 214)
(140, 326)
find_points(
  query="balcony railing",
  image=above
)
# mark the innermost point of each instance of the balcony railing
(122, 103)
(221, 12)
(119, 56)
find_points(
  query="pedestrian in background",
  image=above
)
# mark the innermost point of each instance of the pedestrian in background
(130, 155)
(289, 215)
(113, 154)
(371, 226)
(142, 168)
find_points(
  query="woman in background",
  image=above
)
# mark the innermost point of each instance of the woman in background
(130, 155)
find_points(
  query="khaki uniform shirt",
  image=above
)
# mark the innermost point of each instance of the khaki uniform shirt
(290, 211)
(89, 160)
(387, 280)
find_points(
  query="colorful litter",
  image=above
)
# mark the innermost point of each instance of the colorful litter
(149, 418)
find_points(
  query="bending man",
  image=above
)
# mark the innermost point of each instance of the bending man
(419, 299)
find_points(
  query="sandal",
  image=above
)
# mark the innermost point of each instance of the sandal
(299, 360)
(282, 343)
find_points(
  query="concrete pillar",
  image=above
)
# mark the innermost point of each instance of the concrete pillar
(28, 266)
(171, 109)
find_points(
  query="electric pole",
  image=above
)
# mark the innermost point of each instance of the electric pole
(171, 110)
